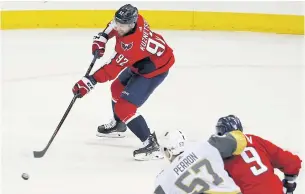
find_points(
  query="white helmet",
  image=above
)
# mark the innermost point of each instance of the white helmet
(174, 142)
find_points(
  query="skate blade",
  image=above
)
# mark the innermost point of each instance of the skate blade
(152, 156)
(111, 135)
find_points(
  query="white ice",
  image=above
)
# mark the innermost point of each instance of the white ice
(255, 76)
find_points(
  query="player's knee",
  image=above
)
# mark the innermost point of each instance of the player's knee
(125, 110)
(116, 89)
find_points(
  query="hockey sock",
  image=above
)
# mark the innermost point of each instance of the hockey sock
(139, 127)
(114, 115)
(116, 89)
(126, 111)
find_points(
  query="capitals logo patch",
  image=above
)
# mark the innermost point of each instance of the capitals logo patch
(126, 47)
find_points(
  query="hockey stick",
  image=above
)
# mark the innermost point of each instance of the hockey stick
(39, 154)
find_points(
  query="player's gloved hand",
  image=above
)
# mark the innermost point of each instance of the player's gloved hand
(289, 184)
(99, 45)
(84, 86)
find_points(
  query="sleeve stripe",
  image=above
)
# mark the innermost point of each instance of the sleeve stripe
(109, 28)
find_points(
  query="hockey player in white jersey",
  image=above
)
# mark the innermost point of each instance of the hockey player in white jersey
(198, 168)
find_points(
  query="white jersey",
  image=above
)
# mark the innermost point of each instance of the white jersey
(199, 170)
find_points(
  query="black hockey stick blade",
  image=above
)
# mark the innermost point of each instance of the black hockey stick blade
(40, 154)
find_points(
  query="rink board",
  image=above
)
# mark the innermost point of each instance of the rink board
(158, 19)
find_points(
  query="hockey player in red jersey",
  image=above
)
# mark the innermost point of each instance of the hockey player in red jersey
(143, 59)
(253, 169)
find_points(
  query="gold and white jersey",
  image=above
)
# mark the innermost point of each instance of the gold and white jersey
(198, 170)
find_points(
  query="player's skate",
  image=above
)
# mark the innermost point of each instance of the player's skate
(113, 129)
(150, 151)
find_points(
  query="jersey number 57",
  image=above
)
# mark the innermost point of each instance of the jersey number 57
(184, 184)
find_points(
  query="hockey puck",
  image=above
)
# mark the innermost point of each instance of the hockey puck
(25, 176)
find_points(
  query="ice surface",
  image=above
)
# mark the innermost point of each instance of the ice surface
(255, 76)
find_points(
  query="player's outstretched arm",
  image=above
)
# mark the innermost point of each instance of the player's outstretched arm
(230, 144)
(112, 68)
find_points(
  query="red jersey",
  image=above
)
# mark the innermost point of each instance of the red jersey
(140, 44)
(253, 169)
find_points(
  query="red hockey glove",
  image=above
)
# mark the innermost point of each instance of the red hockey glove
(99, 45)
(84, 86)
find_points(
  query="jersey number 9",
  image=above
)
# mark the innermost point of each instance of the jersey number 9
(254, 158)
